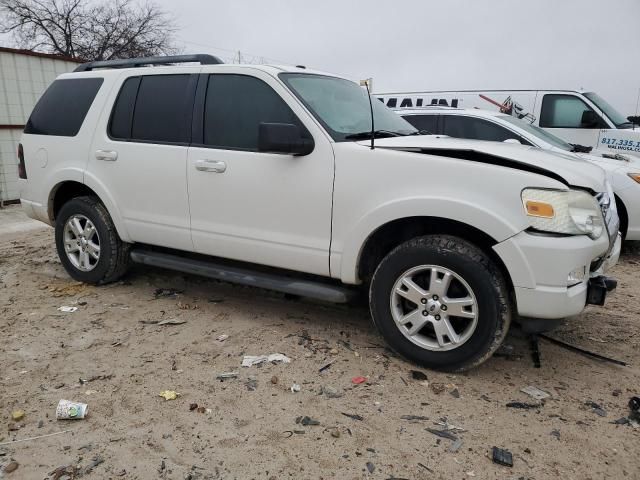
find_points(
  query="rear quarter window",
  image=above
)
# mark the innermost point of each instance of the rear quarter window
(63, 107)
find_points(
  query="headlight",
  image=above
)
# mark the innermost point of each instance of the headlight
(635, 176)
(572, 212)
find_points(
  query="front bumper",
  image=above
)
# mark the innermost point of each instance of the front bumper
(539, 266)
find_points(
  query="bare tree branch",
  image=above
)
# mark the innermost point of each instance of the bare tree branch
(89, 29)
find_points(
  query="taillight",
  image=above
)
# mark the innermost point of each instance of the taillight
(22, 170)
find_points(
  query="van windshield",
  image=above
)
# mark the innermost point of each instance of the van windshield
(537, 132)
(342, 107)
(615, 116)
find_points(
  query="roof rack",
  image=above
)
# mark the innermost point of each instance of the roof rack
(201, 58)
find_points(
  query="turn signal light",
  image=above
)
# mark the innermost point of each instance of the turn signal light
(635, 176)
(539, 209)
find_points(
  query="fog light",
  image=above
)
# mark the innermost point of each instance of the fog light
(577, 276)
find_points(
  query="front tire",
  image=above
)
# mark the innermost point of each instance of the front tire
(441, 302)
(87, 242)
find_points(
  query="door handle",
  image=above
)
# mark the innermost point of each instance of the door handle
(106, 155)
(215, 166)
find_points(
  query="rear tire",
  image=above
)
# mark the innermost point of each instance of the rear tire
(460, 312)
(87, 242)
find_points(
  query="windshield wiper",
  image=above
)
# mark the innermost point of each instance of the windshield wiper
(377, 134)
(580, 148)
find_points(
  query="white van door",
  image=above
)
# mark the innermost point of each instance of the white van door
(569, 117)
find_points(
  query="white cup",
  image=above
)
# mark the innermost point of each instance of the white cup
(68, 410)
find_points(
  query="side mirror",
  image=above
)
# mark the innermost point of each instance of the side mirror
(589, 119)
(512, 140)
(283, 138)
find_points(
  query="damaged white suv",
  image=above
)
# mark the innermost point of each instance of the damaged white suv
(269, 176)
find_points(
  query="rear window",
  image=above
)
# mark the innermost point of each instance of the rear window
(62, 108)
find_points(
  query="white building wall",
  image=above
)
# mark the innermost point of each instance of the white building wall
(23, 79)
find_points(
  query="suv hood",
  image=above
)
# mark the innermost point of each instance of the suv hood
(566, 168)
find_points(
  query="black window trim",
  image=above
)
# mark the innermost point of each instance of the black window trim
(544, 99)
(197, 130)
(193, 80)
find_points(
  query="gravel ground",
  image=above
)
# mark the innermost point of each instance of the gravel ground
(114, 355)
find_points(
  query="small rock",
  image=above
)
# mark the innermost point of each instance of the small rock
(617, 392)
(331, 392)
(11, 467)
(335, 433)
(40, 424)
(307, 421)
(455, 393)
(274, 380)
(371, 467)
(418, 375)
(438, 388)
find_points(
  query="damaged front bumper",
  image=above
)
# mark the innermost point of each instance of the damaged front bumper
(556, 277)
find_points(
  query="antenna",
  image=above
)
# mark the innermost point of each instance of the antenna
(373, 130)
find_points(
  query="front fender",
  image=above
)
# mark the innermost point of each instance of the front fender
(497, 226)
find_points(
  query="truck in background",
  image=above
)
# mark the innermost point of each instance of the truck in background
(578, 117)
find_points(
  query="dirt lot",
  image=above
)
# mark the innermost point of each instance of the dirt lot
(248, 428)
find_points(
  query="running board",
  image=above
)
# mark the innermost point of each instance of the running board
(243, 276)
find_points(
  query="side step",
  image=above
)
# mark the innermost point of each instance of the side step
(244, 276)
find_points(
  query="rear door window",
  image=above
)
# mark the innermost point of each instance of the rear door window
(63, 107)
(163, 109)
(424, 123)
(477, 129)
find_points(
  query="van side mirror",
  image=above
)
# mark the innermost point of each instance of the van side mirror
(635, 119)
(589, 119)
(512, 140)
(284, 138)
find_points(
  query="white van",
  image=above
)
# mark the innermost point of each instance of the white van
(580, 118)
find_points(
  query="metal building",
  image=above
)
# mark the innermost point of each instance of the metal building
(24, 76)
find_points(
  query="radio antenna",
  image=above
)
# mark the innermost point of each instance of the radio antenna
(373, 130)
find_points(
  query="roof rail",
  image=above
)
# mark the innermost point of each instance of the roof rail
(201, 58)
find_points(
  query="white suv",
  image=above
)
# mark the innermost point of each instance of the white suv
(477, 124)
(264, 166)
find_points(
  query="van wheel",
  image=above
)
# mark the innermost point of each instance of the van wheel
(88, 244)
(440, 302)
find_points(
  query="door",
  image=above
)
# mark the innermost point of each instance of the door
(570, 118)
(265, 208)
(139, 156)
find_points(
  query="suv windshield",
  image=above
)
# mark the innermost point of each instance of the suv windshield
(616, 117)
(342, 107)
(537, 132)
